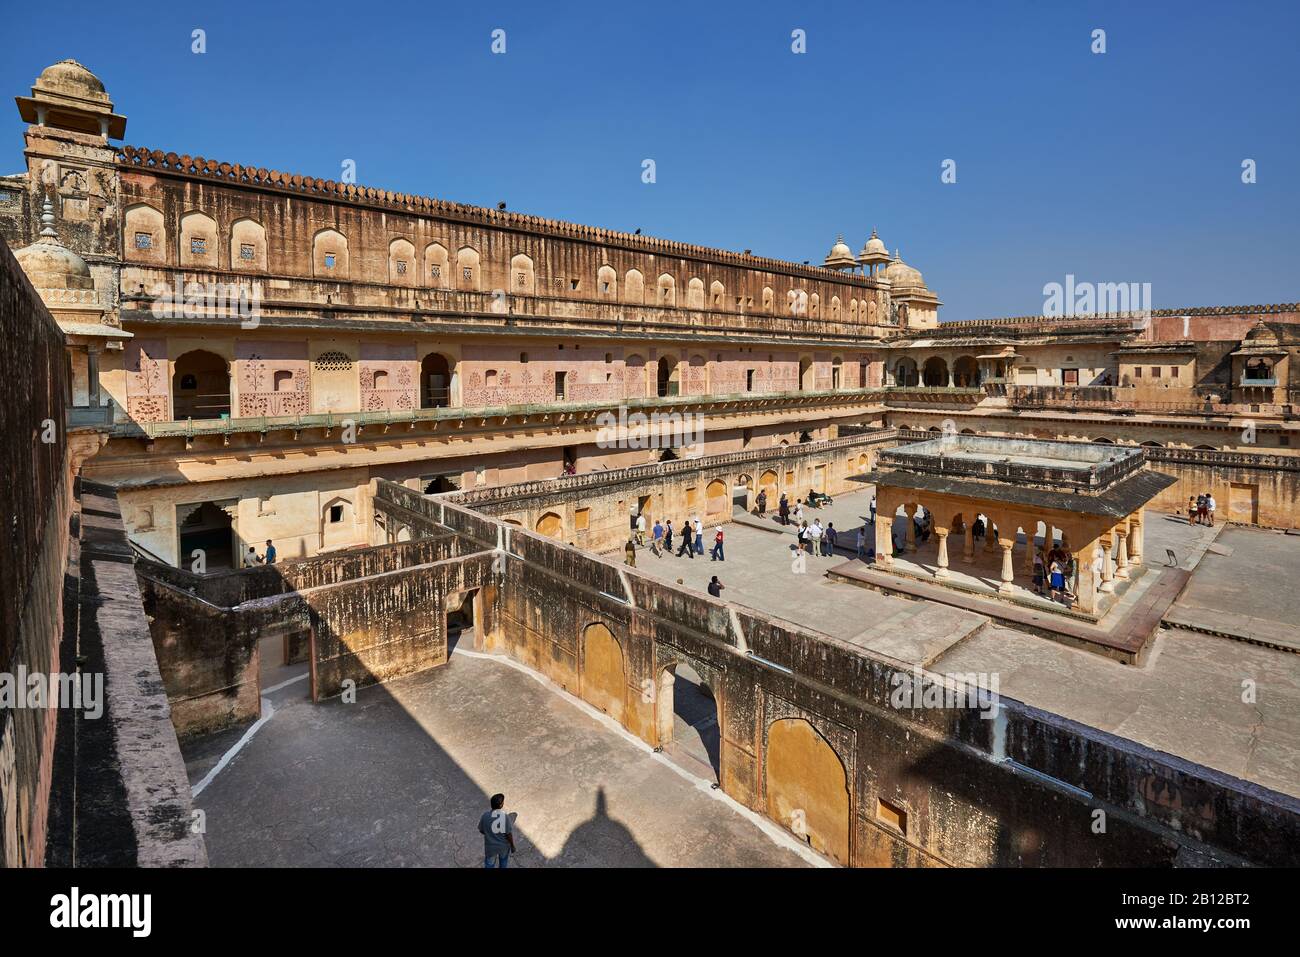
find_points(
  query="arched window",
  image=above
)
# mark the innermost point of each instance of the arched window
(401, 262)
(283, 381)
(667, 291)
(606, 282)
(769, 299)
(247, 245)
(467, 268)
(695, 294)
(144, 236)
(435, 266)
(716, 293)
(198, 248)
(521, 276)
(634, 286)
(329, 254)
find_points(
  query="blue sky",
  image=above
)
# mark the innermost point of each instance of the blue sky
(1118, 167)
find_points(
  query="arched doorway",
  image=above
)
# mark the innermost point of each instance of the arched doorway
(550, 525)
(741, 493)
(435, 382)
(715, 499)
(966, 372)
(687, 716)
(767, 483)
(200, 386)
(905, 374)
(668, 382)
(603, 683)
(206, 528)
(936, 372)
(807, 787)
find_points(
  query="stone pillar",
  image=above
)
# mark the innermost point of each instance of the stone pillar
(884, 540)
(1008, 566)
(968, 543)
(910, 512)
(1121, 553)
(1135, 538)
(1029, 548)
(989, 544)
(92, 375)
(1086, 593)
(1107, 576)
(942, 570)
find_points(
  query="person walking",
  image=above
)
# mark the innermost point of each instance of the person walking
(1039, 573)
(688, 540)
(498, 833)
(699, 537)
(783, 509)
(715, 587)
(1058, 581)
(762, 503)
(815, 533)
(802, 536)
(798, 511)
(1200, 510)
(873, 510)
(861, 540)
(717, 545)
(668, 537)
(629, 553)
(640, 529)
(1210, 506)
(829, 539)
(656, 538)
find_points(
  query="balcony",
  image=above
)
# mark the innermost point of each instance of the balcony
(90, 417)
(1249, 383)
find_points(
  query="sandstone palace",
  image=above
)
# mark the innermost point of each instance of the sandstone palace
(448, 419)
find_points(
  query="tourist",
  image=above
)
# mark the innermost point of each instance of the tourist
(717, 546)
(798, 511)
(977, 530)
(269, 558)
(861, 540)
(668, 537)
(715, 587)
(640, 529)
(656, 537)
(1038, 573)
(250, 558)
(783, 509)
(699, 537)
(873, 510)
(498, 833)
(1058, 581)
(802, 536)
(688, 540)
(761, 503)
(828, 540)
(815, 533)
(1071, 577)
(1200, 510)
(629, 550)
(1193, 513)
(1210, 506)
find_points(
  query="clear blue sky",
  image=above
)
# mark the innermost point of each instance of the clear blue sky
(1119, 167)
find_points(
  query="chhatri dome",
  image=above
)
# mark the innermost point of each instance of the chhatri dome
(51, 265)
(68, 96)
(901, 274)
(840, 256)
(875, 246)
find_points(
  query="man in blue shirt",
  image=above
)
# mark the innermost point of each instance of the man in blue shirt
(498, 834)
(270, 553)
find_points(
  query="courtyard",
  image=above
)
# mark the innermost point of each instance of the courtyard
(1187, 699)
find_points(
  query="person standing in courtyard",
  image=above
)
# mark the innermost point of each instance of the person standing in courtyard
(761, 503)
(269, 558)
(1039, 573)
(828, 540)
(1210, 506)
(668, 537)
(861, 540)
(656, 539)
(715, 587)
(640, 529)
(815, 533)
(699, 537)
(629, 553)
(498, 833)
(873, 510)
(688, 540)
(717, 546)
(783, 509)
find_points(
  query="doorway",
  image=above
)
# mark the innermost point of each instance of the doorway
(689, 731)
(208, 530)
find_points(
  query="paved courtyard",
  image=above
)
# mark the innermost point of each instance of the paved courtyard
(1186, 699)
(400, 778)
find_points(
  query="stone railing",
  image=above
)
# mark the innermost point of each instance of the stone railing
(658, 470)
(1213, 457)
(1119, 462)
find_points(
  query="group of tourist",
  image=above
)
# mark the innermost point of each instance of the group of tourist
(1056, 573)
(690, 535)
(1200, 509)
(816, 540)
(252, 559)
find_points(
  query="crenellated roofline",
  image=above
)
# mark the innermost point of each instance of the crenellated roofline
(138, 157)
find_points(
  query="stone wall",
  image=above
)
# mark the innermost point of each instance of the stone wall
(38, 504)
(812, 735)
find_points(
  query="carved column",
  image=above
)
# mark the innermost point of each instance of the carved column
(968, 543)
(1121, 552)
(1008, 567)
(1086, 592)
(942, 570)
(910, 512)
(988, 534)
(1107, 575)
(884, 540)
(1135, 538)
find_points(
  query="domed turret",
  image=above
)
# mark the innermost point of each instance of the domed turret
(840, 256)
(49, 264)
(900, 273)
(68, 96)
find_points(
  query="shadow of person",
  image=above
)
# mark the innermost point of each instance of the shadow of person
(601, 841)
